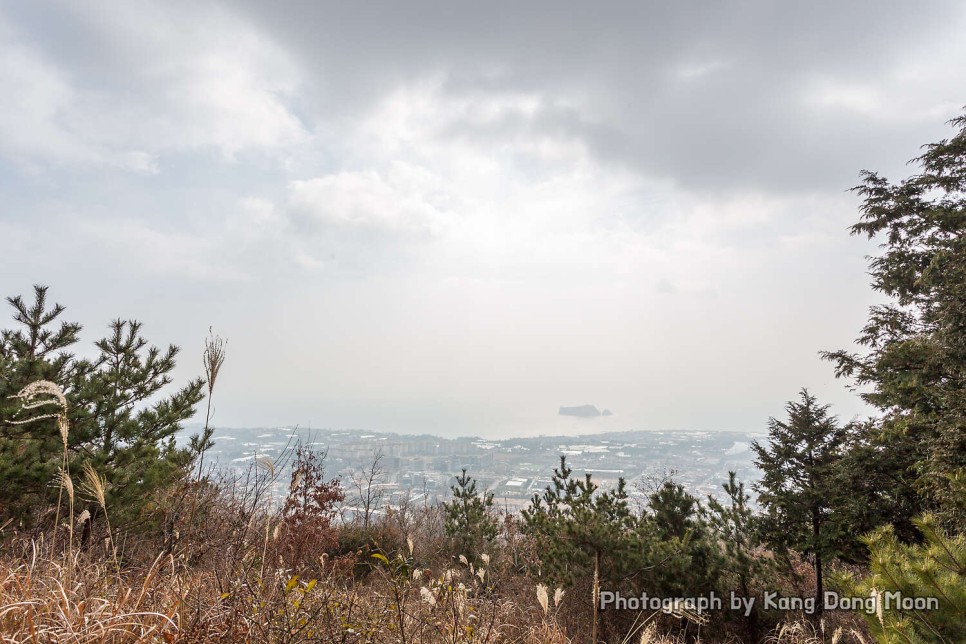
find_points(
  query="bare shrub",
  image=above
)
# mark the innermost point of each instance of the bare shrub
(306, 527)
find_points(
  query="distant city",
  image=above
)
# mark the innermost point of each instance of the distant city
(421, 468)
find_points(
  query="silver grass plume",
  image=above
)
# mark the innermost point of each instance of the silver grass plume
(38, 394)
(543, 598)
(212, 359)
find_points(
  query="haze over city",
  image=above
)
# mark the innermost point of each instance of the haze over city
(409, 219)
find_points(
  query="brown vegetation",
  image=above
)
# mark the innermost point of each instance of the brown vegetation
(229, 564)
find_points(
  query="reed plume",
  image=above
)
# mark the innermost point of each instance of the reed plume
(542, 598)
(34, 396)
(95, 487)
(212, 359)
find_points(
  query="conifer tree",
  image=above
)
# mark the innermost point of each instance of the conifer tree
(798, 490)
(578, 528)
(677, 516)
(913, 368)
(734, 527)
(582, 532)
(120, 421)
(468, 517)
(934, 569)
(674, 510)
(37, 349)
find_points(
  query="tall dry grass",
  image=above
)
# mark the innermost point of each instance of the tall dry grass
(76, 598)
(217, 572)
(230, 599)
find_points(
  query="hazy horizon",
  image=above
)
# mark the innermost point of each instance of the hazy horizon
(410, 219)
(568, 428)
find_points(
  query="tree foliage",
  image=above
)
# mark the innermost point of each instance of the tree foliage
(575, 525)
(798, 490)
(674, 510)
(120, 421)
(935, 568)
(913, 368)
(579, 528)
(735, 528)
(307, 521)
(469, 519)
(676, 516)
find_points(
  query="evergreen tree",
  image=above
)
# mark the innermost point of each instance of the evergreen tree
(579, 529)
(935, 568)
(878, 472)
(36, 350)
(469, 519)
(674, 510)
(677, 516)
(582, 532)
(914, 365)
(119, 421)
(798, 490)
(734, 526)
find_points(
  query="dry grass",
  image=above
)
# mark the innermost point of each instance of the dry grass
(221, 577)
(807, 632)
(168, 603)
(38, 604)
(218, 572)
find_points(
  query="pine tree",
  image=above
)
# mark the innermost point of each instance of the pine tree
(734, 526)
(576, 527)
(913, 457)
(584, 533)
(674, 510)
(878, 472)
(914, 366)
(469, 519)
(37, 350)
(119, 420)
(798, 490)
(935, 568)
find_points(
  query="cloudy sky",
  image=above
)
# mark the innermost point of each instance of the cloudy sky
(456, 217)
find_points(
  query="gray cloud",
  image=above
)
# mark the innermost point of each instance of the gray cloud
(714, 96)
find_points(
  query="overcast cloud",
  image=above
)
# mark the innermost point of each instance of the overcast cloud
(454, 217)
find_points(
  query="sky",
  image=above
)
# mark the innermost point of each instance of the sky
(456, 217)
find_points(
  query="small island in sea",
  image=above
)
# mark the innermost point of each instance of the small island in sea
(584, 411)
